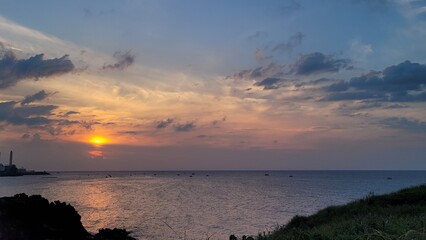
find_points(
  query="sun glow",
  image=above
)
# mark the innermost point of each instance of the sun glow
(97, 140)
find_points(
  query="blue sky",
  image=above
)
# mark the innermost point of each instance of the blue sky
(262, 84)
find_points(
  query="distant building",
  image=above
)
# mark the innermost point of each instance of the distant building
(12, 170)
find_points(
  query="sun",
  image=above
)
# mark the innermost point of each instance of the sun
(98, 140)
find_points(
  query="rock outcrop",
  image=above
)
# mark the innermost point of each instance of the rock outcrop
(34, 217)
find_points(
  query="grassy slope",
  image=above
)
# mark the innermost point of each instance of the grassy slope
(399, 215)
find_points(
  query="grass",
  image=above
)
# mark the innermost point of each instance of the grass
(400, 215)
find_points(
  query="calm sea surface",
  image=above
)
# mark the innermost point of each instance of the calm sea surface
(173, 205)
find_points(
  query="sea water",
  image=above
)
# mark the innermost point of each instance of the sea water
(204, 205)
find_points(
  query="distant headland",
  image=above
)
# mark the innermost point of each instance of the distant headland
(12, 170)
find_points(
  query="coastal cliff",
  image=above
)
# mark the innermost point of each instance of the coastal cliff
(34, 217)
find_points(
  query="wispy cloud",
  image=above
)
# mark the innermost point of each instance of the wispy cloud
(39, 96)
(124, 60)
(164, 123)
(412, 125)
(291, 43)
(184, 127)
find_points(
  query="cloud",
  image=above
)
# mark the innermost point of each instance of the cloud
(365, 105)
(412, 125)
(26, 115)
(290, 44)
(87, 124)
(164, 123)
(315, 63)
(184, 127)
(346, 96)
(404, 82)
(124, 60)
(259, 72)
(259, 55)
(71, 113)
(13, 70)
(257, 35)
(41, 117)
(291, 7)
(216, 123)
(130, 132)
(35, 97)
(270, 83)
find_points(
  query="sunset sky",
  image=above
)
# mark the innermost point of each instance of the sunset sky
(175, 85)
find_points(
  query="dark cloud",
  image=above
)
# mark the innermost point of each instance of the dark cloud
(130, 132)
(271, 83)
(13, 70)
(184, 127)
(364, 105)
(41, 117)
(404, 82)
(71, 113)
(88, 125)
(216, 123)
(259, 72)
(27, 111)
(27, 115)
(345, 96)
(290, 44)
(124, 60)
(315, 63)
(412, 125)
(35, 97)
(308, 64)
(318, 82)
(164, 123)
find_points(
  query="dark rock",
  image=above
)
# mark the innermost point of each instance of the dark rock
(34, 218)
(112, 234)
(233, 237)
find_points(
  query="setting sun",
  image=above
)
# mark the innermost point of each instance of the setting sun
(97, 140)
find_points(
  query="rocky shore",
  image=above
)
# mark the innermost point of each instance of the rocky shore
(33, 217)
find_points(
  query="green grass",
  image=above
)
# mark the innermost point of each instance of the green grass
(400, 215)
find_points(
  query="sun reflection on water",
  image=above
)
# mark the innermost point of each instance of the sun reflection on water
(98, 202)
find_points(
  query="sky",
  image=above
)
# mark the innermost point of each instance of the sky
(213, 85)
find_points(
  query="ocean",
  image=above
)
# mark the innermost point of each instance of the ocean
(204, 204)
